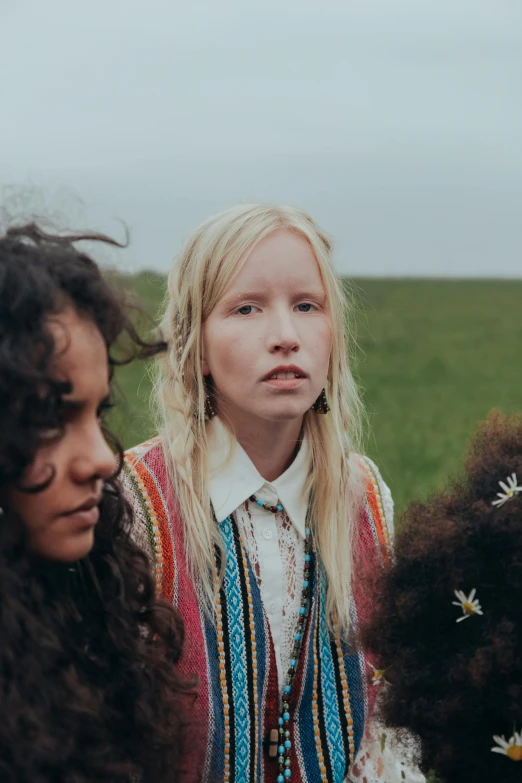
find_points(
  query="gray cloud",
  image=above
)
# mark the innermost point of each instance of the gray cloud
(397, 124)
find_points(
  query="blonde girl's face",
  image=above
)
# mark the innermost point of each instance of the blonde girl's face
(267, 343)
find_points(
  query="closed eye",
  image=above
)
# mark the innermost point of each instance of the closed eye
(104, 408)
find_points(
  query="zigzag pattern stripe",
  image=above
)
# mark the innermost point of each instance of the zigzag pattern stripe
(329, 693)
(236, 628)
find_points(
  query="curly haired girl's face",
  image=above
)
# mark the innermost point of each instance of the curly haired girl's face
(61, 519)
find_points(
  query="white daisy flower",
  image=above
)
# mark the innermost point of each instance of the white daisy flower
(512, 748)
(510, 490)
(377, 676)
(468, 604)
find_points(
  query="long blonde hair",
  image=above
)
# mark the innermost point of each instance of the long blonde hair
(211, 258)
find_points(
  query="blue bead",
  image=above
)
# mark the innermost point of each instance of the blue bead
(293, 662)
(287, 688)
(280, 721)
(307, 531)
(280, 779)
(287, 773)
(302, 610)
(306, 584)
(260, 503)
(297, 637)
(286, 716)
(288, 744)
(279, 507)
(280, 750)
(308, 558)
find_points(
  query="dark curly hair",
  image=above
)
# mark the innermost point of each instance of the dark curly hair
(89, 690)
(456, 685)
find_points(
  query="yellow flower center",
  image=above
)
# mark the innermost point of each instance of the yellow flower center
(515, 752)
(468, 608)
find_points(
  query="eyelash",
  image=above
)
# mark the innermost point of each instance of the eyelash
(103, 409)
(54, 433)
(243, 307)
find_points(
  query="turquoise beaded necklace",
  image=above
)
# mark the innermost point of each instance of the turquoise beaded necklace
(281, 738)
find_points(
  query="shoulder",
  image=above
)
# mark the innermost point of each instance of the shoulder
(378, 494)
(143, 473)
(138, 453)
(142, 462)
(145, 476)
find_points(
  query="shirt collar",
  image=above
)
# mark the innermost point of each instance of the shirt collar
(233, 478)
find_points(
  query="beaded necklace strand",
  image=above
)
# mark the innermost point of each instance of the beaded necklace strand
(281, 738)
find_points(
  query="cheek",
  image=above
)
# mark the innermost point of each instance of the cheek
(35, 508)
(321, 341)
(230, 354)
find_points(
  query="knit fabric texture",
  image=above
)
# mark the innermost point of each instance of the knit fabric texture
(238, 702)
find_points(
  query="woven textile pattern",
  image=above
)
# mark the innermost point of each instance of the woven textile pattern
(237, 702)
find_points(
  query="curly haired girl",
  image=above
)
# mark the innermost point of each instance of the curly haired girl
(88, 686)
(447, 634)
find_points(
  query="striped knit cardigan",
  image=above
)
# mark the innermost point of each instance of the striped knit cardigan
(238, 703)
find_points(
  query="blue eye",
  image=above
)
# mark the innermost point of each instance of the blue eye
(245, 310)
(305, 307)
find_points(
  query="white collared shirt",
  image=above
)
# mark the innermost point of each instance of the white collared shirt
(274, 542)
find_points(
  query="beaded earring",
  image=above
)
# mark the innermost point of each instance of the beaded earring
(209, 407)
(321, 404)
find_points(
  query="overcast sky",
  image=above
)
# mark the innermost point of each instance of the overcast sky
(396, 123)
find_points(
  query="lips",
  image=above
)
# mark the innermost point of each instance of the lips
(86, 515)
(285, 373)
(87, 506)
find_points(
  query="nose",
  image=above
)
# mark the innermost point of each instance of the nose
(284, 337)
(94, 458)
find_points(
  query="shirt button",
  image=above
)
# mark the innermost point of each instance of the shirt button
(272, 608)
(267, 533)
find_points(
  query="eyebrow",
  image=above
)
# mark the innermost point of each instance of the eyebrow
(241, 295)
(314, 293)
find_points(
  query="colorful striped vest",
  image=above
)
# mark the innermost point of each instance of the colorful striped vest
(237, 703)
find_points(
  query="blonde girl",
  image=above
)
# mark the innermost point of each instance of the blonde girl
(258, 513)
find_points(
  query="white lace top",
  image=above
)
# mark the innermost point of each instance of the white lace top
(275, 546)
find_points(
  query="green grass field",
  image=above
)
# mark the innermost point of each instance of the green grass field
(434, 358)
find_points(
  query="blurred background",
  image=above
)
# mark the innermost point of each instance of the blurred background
(397, 125)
